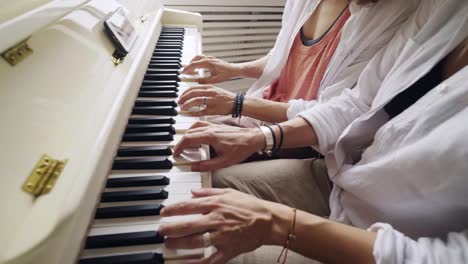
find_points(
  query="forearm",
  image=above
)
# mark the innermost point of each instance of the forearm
(321, 239)
(265, 110)
(252, 69)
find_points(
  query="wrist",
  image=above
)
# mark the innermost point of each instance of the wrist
(280, 224)
(239, 70)
(257, 139)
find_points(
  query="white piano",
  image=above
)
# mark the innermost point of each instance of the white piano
(86, 135)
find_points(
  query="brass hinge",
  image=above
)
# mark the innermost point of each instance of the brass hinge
(117, 58)
(44, 176)
(17, 53)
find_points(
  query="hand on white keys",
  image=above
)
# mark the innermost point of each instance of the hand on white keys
(204, 100)
(231, 144)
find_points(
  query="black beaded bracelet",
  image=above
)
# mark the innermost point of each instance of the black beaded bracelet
(238, 103)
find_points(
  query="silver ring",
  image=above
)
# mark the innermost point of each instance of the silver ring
(206, 239)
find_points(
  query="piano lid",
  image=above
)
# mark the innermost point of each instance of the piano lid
(64, 100)
(20, 19)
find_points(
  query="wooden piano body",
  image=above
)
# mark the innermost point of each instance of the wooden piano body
(68, 99)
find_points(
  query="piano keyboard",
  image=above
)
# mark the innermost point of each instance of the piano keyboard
(144, 175)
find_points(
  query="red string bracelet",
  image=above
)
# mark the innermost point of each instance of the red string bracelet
(290, 238)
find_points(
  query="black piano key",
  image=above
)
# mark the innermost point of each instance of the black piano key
(153, 136)
(161, 53)
(178, 43)
(155, 103)
(152, 120)
(158, 93)
(154, 110)
(168, 47)
(128, 211)
(148, 128)
(137, 195)
(141, 258)
(157, 70)
(172, 31)
(162, 76)
(160, 82)
(163, 40)
(144, 151)
(147, 88)
(170, 38)
(153, 163)
(166, 59)
(173, 28)
(165, 65)
(137, 181)
(124, 239)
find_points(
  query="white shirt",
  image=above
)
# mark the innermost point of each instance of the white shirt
(392, 247)
(368, 29)
(410, 171)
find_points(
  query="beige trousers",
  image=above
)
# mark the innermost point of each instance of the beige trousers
(299, 183)
(303, 184)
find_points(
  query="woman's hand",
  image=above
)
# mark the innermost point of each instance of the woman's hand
(236, 222)
(220, 70)
(218, 101)
(232, 144)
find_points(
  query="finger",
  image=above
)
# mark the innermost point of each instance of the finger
(197, 58)
(195, 93)
(197, 130)
(191, 140)
(194, 59)
(201, 64)
(201, 124)
(197, 101)
(199, 113)
(187, 228)
(195, 87)
(205, 192)
(186, 242)
(208, 80)
(193, 206)
(218, 257)
(214, 164)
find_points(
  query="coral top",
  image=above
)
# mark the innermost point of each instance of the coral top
(306, 65)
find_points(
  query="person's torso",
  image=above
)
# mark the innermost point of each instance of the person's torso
(306, 64)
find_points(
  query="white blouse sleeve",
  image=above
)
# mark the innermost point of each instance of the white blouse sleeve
(394, 247)
(329, 119)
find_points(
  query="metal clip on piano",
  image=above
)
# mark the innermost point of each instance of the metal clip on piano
(87, 135)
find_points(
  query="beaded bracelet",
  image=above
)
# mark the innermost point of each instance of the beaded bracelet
(238, 104)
